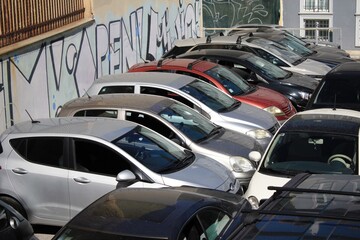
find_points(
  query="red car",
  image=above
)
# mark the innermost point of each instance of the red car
(226, 80)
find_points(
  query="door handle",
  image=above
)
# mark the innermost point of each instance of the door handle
(81, 180)
(20, 171)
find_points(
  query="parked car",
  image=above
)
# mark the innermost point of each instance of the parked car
(266, 49)
(14, 226)
(309, 206)
(340, 88)
(171, 213)
(315, 141)
(227, 81)
(178, 122)
(331, 59)
(216, 105)
(52, 168)
(296, 87)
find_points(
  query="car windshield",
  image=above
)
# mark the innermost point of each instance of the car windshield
(277, 50)
(153, 150)
(211, 96)
(344, 93)
(266, 69)
(296, 47)
(233, 83)
(294, 152)
(191, 123)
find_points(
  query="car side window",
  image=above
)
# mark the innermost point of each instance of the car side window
(150, 122)
(271, 58)
(98, 159)
(117, 89)
(206, 224)
(108, 113)
(165, 93)
(41, 150)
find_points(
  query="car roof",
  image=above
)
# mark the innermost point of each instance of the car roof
(153, 103)
(104, 128)
(345, 69)
(169, 79)
(154, 212)
(309, 206)
(220, 53)
(338, 121)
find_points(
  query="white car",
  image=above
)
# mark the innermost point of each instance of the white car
(213, 103)
(316, 141)
(52, 168)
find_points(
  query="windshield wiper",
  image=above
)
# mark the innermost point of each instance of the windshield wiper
(180, 164)
(233, 106)
(213, 132)
(300, 60)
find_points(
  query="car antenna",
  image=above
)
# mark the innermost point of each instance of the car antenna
(87, 94)
(334, 108)
(32, 120)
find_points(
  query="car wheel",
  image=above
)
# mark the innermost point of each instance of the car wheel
(15, 204)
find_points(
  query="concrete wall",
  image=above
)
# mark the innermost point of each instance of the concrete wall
(44, 75)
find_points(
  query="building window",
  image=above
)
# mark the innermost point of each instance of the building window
(311, 33)
(316, 6)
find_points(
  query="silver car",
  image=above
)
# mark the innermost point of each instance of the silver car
(216, 105)
(178, 122)
(52, 168)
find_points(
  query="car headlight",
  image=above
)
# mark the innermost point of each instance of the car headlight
(254, 202)
(274, 111)
(259, 134)
(305, 95)
(240, 164)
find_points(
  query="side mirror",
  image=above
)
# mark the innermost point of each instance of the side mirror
(255, 156)
(125, 175)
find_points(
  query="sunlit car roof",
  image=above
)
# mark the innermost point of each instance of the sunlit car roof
(340, 121)
(107, 129)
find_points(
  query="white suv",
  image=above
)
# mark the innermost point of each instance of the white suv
(52, 168)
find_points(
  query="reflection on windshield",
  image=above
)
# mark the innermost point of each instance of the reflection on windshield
(210, 96)
(193, 124)
(233, 83)
(277, 50)
(296, 152)
(296, 47)
(152, 150)
(265, 68)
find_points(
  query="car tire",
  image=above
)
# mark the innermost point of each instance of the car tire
(15, 204)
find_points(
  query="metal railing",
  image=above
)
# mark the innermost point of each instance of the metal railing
(23, 19)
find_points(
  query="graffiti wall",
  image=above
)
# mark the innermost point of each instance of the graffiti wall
(37, 80)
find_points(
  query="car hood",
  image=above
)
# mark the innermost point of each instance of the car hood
(231, 143)
(203, 172)
(264, 97)
(330, 58)
(329, 50)
(311, 67)
(250, 116)
(302, 80)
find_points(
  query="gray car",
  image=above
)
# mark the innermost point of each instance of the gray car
(52, 168)
(178, 122)
(216, 105)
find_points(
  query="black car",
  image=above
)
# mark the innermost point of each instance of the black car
(296, 87)
(318, 206)
(340, 88)
(167, 213)
(14, 226)
(329, 58)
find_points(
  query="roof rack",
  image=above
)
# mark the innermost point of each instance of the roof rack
(305, 190)
(208, 39)
(159, 63)
(190, 65)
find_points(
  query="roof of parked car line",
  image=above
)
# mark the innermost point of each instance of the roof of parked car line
(309, 206)
(346, 68)
(104, 128)
(326, 120)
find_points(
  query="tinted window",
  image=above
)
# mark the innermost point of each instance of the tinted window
(96, 158)
(97, 113)
(117, 89)
(41, 150)
(165, 93)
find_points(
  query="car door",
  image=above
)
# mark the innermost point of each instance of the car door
(39, 175)
(95, 167)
